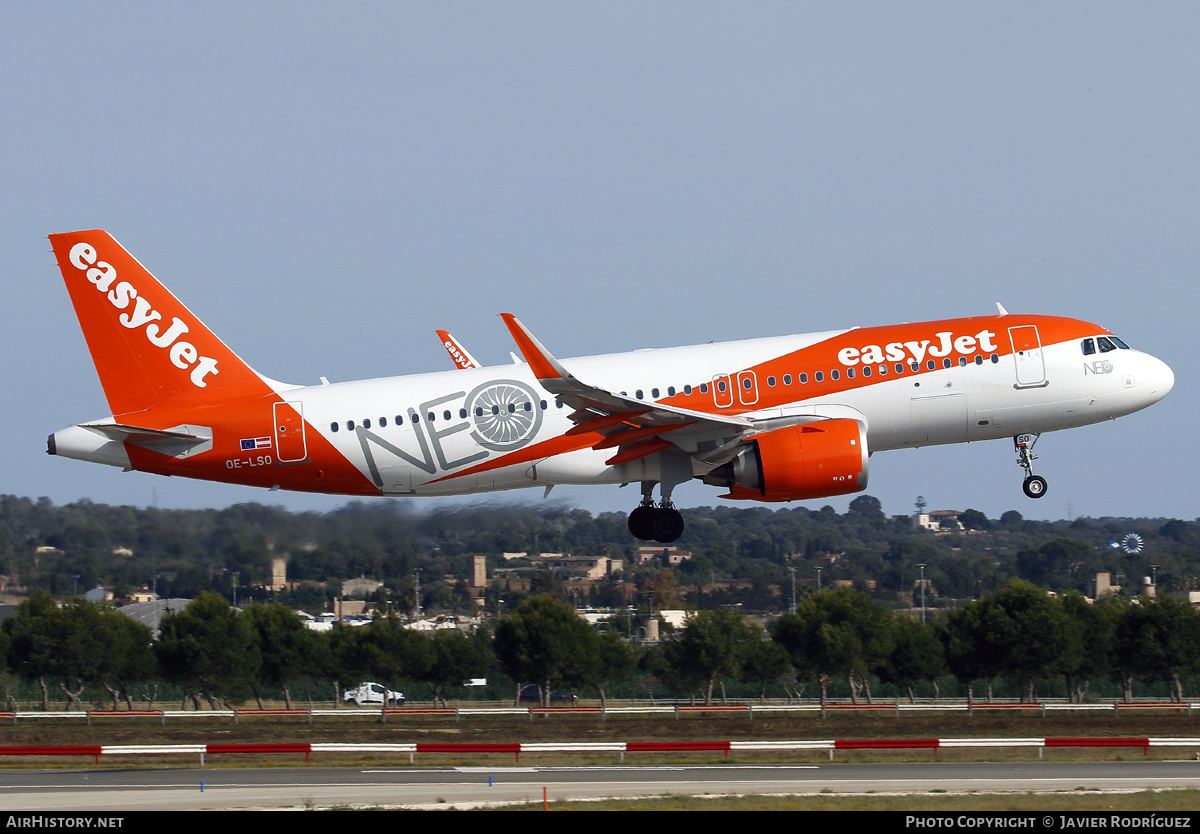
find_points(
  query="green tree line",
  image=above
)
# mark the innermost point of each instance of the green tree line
(218, 655)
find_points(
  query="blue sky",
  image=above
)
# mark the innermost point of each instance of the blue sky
(326, 184)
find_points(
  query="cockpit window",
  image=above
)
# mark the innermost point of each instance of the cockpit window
(1104, 344)
(1119, 343)
(1089, 347)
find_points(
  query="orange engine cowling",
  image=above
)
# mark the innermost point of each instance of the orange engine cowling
(813, 460)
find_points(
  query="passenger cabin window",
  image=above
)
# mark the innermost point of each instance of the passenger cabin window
(787, 379)
(333, 427)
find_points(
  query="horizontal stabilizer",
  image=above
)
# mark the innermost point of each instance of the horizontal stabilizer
(177, 441)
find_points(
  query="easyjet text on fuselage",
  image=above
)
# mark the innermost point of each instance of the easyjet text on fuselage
(943, 344)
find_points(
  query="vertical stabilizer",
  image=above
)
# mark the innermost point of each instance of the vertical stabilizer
(147, 346)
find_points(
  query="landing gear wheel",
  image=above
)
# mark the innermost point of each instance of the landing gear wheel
(1034, 486)
(667, 524)
(641, 522)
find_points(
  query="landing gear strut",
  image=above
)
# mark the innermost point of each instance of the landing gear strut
(1034, 485)
(655, 522)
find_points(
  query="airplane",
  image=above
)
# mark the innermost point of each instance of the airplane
(775, 419)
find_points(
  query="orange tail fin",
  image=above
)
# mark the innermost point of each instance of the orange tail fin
(146, 345)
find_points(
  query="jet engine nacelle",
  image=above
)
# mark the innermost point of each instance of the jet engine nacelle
(813, 460)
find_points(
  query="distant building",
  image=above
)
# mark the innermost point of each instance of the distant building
(672, 556)
(1103, 586)
(589, 567)
(278, 581)
(360, 588)
(933, 520)
(98, 594)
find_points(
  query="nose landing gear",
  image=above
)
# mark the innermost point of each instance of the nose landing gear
(1034, 486)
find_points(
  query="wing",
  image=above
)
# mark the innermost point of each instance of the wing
(636, 428)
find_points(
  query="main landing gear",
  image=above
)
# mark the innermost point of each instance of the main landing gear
(1034, 485)
(655, 522)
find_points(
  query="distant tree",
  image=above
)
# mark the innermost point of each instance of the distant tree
(544, 642)
(712, 645)
(1091, 635)
(866, 506)
(974, 520)
(290, 651)
(209, 648)
(916, 655)
(764, 662)
(1018, 631)
(1159, 639)
(390, 653)
(1059, 563)
(457, 658)
(842, 632)
(79, 644)
(34, 640)
(610, 661)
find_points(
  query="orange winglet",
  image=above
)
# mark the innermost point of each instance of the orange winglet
(544, 366)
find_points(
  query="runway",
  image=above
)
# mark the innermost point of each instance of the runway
(113, 791)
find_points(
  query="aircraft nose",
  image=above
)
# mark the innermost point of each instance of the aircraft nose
(1162, 379)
